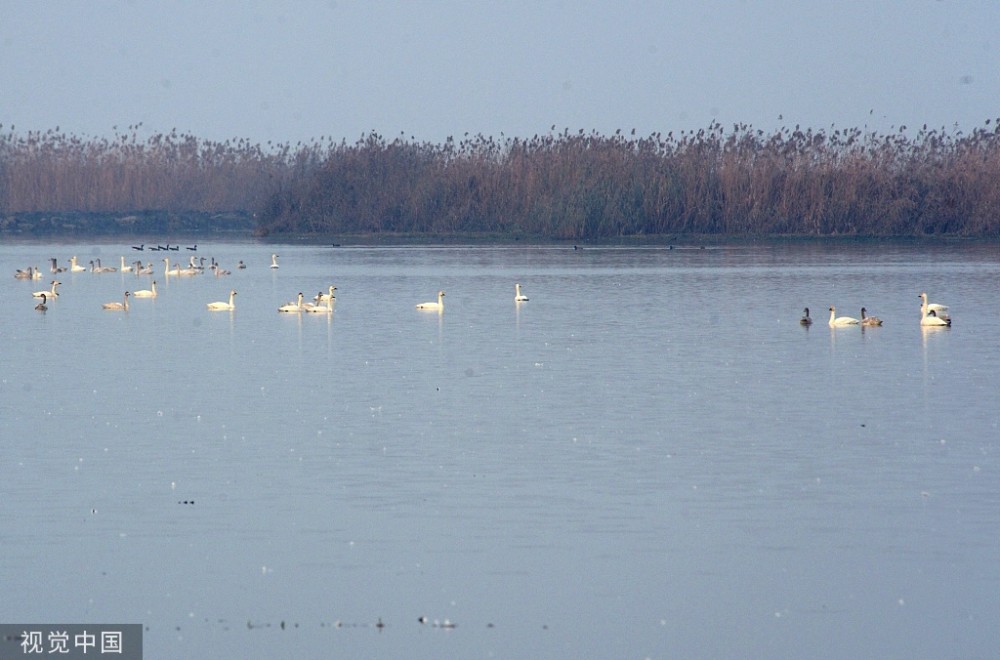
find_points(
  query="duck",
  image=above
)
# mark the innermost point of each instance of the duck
(841, 321)
(931, 319)
(145, 293)
(274, 261)
(140, 248)
(117, 306)
(51, 294)
(434, 306)
(224, 306)
(241, 265)
(869, 321)
(323, 297)
(41, 307)
(292, 307)
(941, 311)
(518, 296)
(806, 319)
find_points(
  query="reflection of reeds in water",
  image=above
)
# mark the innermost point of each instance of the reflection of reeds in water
(570, 185)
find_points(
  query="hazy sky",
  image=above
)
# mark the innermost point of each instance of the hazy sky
(286, 71)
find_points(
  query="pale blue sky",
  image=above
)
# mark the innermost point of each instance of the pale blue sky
(290, 71)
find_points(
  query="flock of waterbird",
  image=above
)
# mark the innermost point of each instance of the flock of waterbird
(322, 303)
(931, 315)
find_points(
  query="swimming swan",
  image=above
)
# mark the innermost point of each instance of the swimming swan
(292, 307)
(805, 320)
(145, 293)
(869, 321)
(41, 306)
(274, 261)
(117, 306)
(941, 311)
(518, 296)
(75, 267)
(931, 319)
(841, 321)
(324, 308)
(224, 306)
(323, 297)
(434, 306)
(50, 294)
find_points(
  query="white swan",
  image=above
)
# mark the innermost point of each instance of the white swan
(869, 321)
(124, 268)
(74, 267)
(434, 306)
(41, 306)
(806, 319)
(941, 311)
(518, 296)
(274, 261)
(145, 293)
(51, 294)
(321, 308)
(323, 297)
(841, 321)
(224, 306)
(117, 306)
(292, 307)
(931, 319)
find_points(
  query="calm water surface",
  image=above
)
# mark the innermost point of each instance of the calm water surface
(650, 458)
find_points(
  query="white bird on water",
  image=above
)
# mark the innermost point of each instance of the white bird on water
(274, 261)
(434, 306)
(841, 321)
(51, 294)
(518, 296)
(292, 306)
(117, 306)
(224, 306)
(145, 293)
(940, 311)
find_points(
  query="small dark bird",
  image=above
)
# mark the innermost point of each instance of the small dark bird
(193, 248)
(41, 306)
(140, 248)
(805, 320)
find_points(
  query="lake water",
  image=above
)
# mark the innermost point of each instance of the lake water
(650, 458)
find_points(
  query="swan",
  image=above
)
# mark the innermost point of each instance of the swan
(219, 271)
(274, 261)
(941, 311)
(932, 319)
(292, 307)
(841, 321)
(805, 320)
(145, 293)
(147, 270)
(325, 308)
(56, 268)
(31, 273)
(74, 267)
(102, 269)
(224, 306)
(434, 306)
(41, 306)
(51, 294)
(323, 297)
(869, 321)
(124, 268)
(518, 296)
(117, 306)
(177, 271)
